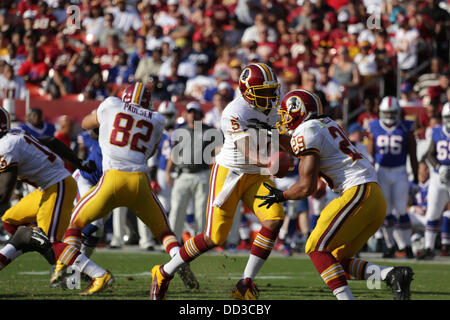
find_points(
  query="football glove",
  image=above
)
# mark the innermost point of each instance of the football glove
(274, 196)
(444, 174)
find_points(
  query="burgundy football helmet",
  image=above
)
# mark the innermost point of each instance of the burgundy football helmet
(297, 106)
(138, 94)
(259, 86)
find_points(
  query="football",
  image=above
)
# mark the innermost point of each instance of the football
(280, 164)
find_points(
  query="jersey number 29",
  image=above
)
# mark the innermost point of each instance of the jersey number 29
(120, 135)
(345, 145)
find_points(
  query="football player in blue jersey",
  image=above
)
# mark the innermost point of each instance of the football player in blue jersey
(85, 181)
(438, 156)
(36, 126)
(391, 141)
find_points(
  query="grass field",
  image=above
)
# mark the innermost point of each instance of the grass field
(281, 278)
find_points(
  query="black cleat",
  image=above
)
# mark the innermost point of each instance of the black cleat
(33, 239)
(405, 253)
(389, 253)
(188, 277)
(428, 254)
(399, 280)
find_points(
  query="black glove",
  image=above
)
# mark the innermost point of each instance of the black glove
(274, 196)
(88, 166)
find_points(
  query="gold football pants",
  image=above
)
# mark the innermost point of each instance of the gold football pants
(347, 222)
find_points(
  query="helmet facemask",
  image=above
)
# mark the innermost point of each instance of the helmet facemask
(283, 124)
(389, 118)
(264, 97)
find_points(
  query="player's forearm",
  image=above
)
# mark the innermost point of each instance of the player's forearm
(61, 150)
(432, 160)
(300, 190)
(431, 156)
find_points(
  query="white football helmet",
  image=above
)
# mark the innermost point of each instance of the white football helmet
(446, 116)
(169, 111)
(390, 111)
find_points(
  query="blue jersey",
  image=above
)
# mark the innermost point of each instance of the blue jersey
(94, 154)
(86, 139)
(391, 144)
(420, 198)
(48, 130)
(294, 172)
(441, 140)
(164, 150)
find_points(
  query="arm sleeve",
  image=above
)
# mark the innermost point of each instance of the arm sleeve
(306, 140)
(234, 127)
(9, 155)
(108, 103)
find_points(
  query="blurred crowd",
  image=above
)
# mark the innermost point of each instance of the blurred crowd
(344, 50)
(351, 53)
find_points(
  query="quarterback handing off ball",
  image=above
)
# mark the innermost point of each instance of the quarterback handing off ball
(280, 164)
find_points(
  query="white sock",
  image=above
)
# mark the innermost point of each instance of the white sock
(370, 267)
(254, 263)
(430, 239)
(174, 251)
(174, 263)
(87, 266)
(10, 252)
(343, 293)
(402, 237)
(388, 233)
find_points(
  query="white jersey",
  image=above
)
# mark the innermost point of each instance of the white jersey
(128, 135)
(340, 163)
(36, 164)
(237, 118)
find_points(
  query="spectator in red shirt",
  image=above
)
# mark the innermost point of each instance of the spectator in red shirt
(82, 69)
(62, 51)
(25, 5)
(43, 21)
(316, 32)
(29, 44)
(370, 113)
(439, 92)
(105, 56)
(339, 35)
(33, 70)
(265, 48)
(64, 134)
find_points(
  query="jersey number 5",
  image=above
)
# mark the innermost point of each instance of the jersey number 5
(345, 145)
(120, 135)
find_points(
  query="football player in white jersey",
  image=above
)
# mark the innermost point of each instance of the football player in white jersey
(391, 142)
(236, 176)
(129, 133)
(348, 221)
(35, 161)
(438, 156)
